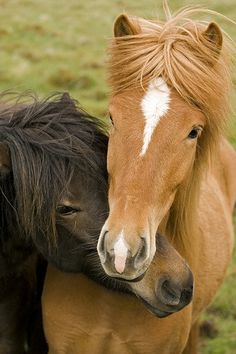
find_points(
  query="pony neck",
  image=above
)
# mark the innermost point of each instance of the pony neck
(181, 224)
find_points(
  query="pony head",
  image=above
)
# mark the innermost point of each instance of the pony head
(53, 177)
(170, 86)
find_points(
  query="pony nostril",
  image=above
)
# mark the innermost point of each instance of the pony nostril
(170, 293)
(101, 247)
(142, 250)
(186, 295)
(187, 292)
(175, 294)
(141, 254)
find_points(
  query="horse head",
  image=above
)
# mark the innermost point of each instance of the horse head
(168, 81)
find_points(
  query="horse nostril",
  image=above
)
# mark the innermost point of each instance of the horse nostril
(175, 294)
(170, 293)
(186, 295)
(187, 292)
(101, 247)
(141, 254)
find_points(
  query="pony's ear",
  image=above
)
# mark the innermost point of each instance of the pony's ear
(214, 35)
(5, 160)
(123, 26)
(68, 101)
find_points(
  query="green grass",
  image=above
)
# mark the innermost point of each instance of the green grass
(58, 45)
(221, 316)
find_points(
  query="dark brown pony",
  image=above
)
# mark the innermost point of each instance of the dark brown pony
(44, 147)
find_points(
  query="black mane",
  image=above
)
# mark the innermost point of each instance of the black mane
(47, 140)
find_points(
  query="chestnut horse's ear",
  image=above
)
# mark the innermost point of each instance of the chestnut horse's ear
(214, 35)
(68, 101)
(123, 26)
(5, 160)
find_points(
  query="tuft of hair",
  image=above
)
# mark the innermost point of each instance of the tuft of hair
(179, 51)
(48, 140)
(195, 59)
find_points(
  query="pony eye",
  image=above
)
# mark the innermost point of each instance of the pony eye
(194, 133)
(110, 116)
(67, 210)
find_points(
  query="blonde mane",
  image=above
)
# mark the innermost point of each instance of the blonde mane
(178, 51)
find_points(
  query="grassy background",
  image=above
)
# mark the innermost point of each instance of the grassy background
(58, 45)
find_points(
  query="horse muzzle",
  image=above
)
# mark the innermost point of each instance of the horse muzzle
(120, 261)
(171, 297)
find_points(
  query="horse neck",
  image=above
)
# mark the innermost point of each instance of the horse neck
(181, 224)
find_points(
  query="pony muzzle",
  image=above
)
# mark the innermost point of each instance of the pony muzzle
(170, 293)
(119, 260)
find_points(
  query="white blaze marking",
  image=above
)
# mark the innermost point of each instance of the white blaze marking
(120, 253)
(154, 105)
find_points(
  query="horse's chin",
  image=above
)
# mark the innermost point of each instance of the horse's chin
(135, 280)
(154, 310)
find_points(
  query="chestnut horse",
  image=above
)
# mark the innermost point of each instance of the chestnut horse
(52, 176)
(170, 168)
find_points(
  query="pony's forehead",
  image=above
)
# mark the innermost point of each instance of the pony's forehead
(132, 95)
(152, 104)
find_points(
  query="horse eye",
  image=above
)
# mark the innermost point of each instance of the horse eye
(110, 116)
(67, 210)
(194, 133)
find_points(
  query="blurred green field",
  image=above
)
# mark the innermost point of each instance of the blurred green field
(57, 45)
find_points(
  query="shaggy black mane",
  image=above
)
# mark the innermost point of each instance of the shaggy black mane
(47, 139)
